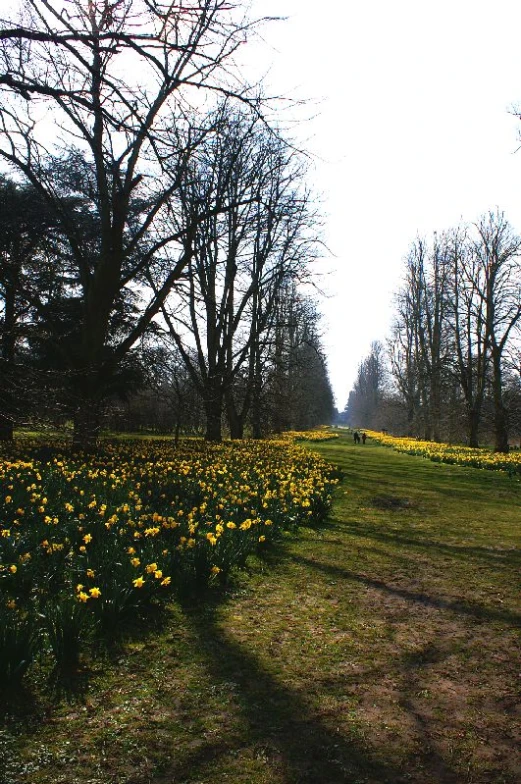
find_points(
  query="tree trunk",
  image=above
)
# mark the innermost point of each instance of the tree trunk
(473, 417)
(435, 406)
(6, 428)
(236, 424)
(87, 424)
(500, 410)
(501, 429)
(7, 354)
(213, 412)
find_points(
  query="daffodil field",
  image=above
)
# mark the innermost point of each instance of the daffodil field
(455, 454)
(87, 543)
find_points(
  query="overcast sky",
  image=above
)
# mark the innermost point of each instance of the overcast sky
(413, 133)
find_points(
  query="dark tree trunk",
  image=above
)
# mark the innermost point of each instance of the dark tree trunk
(213, 410)
(7, 354)
(435, 412)
(474, 418)
(236, 424)
(501, 429)
(235, 417)
(87, 424)
(6, 428)
(500, 410)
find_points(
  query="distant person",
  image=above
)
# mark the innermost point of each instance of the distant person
(356, 437)
(363, 438)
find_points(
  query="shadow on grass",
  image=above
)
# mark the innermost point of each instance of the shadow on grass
(278, 720)
(477, 611)
(493, 556)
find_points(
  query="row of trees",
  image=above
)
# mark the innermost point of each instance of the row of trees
(156, 230)
(452, 366)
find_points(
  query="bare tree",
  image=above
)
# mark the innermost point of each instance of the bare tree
(239, 257)
(497, 249)
(101, 84)
(367, 395)
(468, 324)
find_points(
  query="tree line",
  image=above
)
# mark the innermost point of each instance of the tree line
(156, 229)
(450, 369)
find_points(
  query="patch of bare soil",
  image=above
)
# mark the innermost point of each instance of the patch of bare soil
(391, 502)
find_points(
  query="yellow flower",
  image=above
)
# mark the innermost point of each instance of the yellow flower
(13, 569)
(166, 581)
(135, 561)
(87, 538)
(138, 583)
(95, 593)
(158, 574)
(151, 567)
(131, 550)
(215, 570)
(82, 596)
(262, 538)
(90, 572)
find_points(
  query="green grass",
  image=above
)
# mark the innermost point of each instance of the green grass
(384, 647)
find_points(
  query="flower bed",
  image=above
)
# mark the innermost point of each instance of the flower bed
(89, 542)
(455, 454)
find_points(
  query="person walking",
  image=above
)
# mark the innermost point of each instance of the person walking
(363, 438)
(356, 437)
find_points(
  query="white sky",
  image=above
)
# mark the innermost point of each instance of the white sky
(412, 134)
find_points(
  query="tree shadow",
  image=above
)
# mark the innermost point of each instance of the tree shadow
(492, 555)
(279, 721)
(465, 607)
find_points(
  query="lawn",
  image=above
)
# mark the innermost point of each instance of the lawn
(383, 646)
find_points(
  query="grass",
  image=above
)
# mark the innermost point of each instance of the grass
(384, 647)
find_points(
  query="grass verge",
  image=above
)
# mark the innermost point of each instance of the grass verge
(384, 647)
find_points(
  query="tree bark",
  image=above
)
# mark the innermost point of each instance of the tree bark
(6, 428)
(473, 419)
(213, 406)
(87, 424)
(500, 410)
(235, 418)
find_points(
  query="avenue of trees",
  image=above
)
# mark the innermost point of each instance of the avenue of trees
(156, 231)
(451, 369)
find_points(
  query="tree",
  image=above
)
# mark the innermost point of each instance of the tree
(296, 392)
(113, 78)
(468, 325)
(239, 258)
(366, 397)
(498, 252)
(26, 236)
